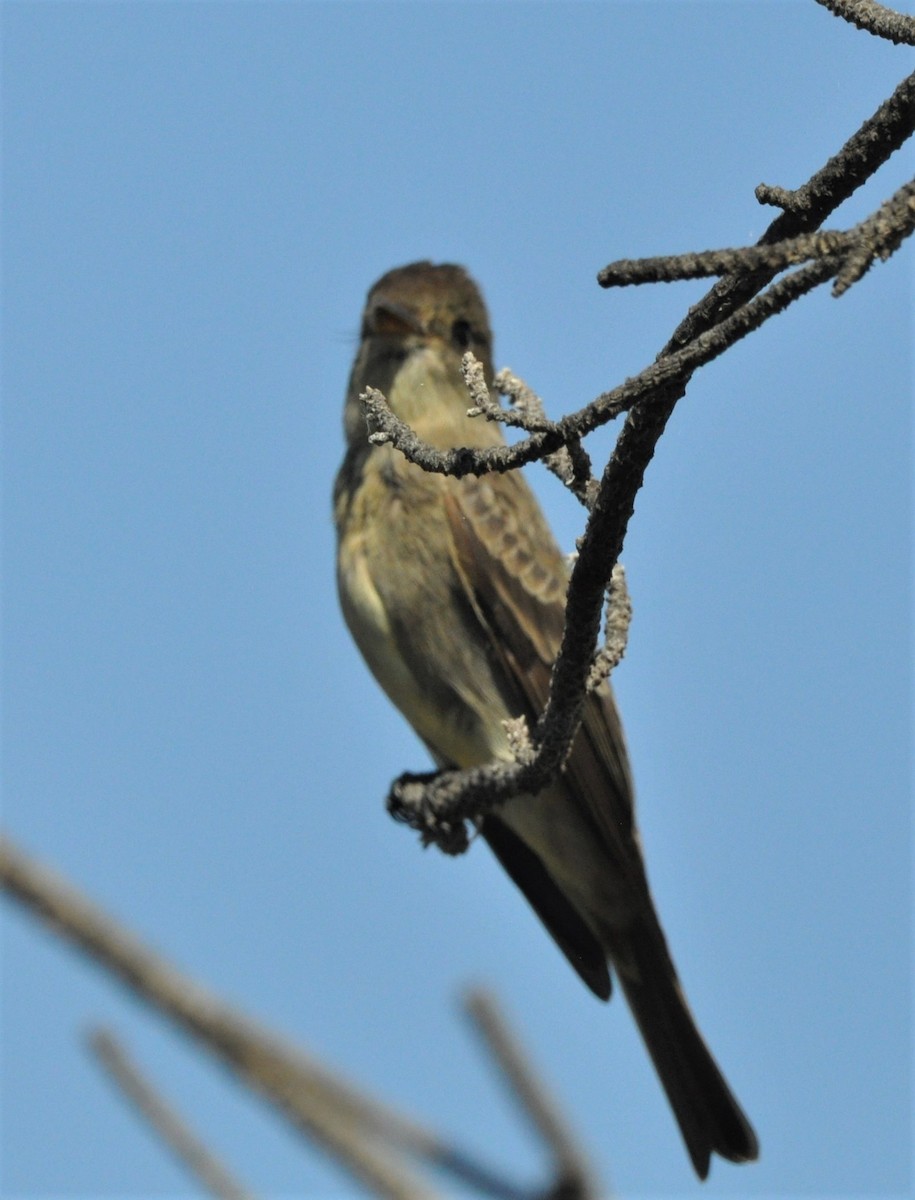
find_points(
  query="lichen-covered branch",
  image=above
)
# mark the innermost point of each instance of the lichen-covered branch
(438, 804)
(616, 630)
(875, 18)
(878, 236)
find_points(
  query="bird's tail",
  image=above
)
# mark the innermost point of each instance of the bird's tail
(709, 1116)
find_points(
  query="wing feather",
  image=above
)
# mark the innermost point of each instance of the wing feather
(517, 578)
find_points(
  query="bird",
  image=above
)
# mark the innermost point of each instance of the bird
(454, 592)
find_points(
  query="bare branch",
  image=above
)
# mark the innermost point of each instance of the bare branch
(874, 18)
(729, 299)
(698, 265)
(804, 210)
(575, 1178)
(165, 1120)
(474, 377)
(878, 236)
(368, 1138)
(332, 1113)
(670, 369)
(881, 235)
(438, 804)
(524, 401)
(485, 405)
(571, 463)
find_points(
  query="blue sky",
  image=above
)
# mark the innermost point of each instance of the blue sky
(196, 198)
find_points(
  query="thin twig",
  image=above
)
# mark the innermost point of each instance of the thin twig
(575, 1176)
(666, 268)
(616, 630)
(882, 235)
(484, 404)
(171, 1127)
(878, 236)
(674, 368)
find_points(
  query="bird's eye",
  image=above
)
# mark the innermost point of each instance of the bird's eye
(461, 333)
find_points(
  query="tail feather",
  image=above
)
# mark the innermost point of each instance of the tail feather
(707, 1112)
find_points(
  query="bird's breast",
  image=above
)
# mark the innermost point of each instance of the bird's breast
(405, 609)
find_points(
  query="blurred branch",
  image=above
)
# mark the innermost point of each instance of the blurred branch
(574, 1178)
(332, 1113)
(438, 804)
(367, 1138)
(165, 1120)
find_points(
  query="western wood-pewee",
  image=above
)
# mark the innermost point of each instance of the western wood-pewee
(454, 591)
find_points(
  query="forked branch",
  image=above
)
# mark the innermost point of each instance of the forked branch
(438, 805)
(375, 1144)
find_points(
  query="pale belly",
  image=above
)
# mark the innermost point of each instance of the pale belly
(456, 736)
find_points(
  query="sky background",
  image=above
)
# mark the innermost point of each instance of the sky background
(196, 199)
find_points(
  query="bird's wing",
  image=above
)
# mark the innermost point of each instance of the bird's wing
(516, 578)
